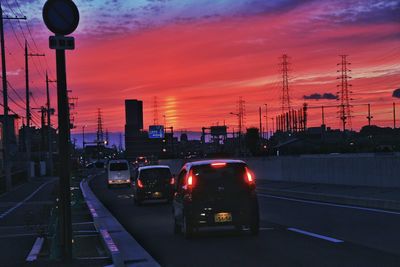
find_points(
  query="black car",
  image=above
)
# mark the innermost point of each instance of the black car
(153, 182)
(215, 193)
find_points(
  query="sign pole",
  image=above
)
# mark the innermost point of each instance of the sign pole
(64, 154)
(62, 18)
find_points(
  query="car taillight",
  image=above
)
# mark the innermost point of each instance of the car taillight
(172, 181)
(218, 164)
(248, 176)
(139, 183)
(190, 180)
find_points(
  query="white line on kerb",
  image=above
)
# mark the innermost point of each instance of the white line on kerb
(37, 246)
(330, 204)
(4, 214)
(327, 238)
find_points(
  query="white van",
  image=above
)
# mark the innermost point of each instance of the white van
(118, 173)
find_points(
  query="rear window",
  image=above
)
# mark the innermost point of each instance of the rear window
(231, 176)
(156, 173)
(120, 166)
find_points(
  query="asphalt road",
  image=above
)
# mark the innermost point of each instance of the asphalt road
(293, 233)
(23, 216)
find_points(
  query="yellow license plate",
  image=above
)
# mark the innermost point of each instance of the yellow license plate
(223, 217)
(157, 194)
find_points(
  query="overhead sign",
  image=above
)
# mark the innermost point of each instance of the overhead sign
(61, 16)
(156, 131)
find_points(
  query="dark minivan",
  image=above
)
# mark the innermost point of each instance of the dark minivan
(153, 182)
(215, 193)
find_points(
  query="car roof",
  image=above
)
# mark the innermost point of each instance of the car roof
(118, 161)
(153, 167)
(208, 162)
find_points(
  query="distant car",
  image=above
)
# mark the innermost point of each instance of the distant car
(215, 193)
(118, 173)
(141, 161)
(153, 182)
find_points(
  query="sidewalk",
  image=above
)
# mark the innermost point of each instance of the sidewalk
(370, 197)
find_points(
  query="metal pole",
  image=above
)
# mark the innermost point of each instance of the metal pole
(394, 115)
(266, 121)
(261, 131)
(64, 155)
(49, 137)
(6, 163)
(323, 115)
(369, 115)
(28, 113)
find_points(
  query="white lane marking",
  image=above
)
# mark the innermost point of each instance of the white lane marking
(330, 204)
(327, 238)
(4, 214)
(37, 246)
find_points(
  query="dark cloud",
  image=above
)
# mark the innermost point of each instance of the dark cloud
(317, 96)
(396, 93)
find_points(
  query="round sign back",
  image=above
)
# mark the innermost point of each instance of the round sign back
(61, 16)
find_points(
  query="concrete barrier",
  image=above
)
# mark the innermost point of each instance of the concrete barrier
(379, 170)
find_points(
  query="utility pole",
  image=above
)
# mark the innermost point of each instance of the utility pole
(28, 109)
(261, 131)
(6, 148)
(323, 115)
(369, 117)
(273, 125)
(394, 115)
(266, 121)
(49, 137)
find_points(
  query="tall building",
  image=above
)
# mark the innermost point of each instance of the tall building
(133, 117)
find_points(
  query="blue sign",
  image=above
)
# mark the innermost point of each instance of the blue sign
(156, 131)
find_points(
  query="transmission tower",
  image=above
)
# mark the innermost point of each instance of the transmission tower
(155, 111)
(99, 127)
(285, 99)
(344, 93)
(241, 114)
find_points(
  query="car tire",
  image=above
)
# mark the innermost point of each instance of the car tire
(187, 228)
(255, 225)
(177, 227)
(137, 201)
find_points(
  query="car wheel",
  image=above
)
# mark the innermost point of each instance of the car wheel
(255, 226)
(177, 227)
(137, 201)
(187, 228)
(238, 228)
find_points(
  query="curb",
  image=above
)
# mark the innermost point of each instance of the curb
(337, 199)
(121, 246)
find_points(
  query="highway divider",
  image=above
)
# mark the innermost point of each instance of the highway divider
(122, 247)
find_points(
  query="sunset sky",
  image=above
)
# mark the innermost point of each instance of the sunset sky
(199, 56)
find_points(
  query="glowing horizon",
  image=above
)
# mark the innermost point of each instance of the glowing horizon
(199, 57)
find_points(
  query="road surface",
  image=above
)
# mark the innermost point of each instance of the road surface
(293, 233)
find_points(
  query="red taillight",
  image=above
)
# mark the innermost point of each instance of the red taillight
(218, 164)
(248, 176)
(172, 181)
(139, 183)
(190, 180)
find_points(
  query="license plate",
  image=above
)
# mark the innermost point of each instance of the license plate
(157, 194)
(223, 217)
